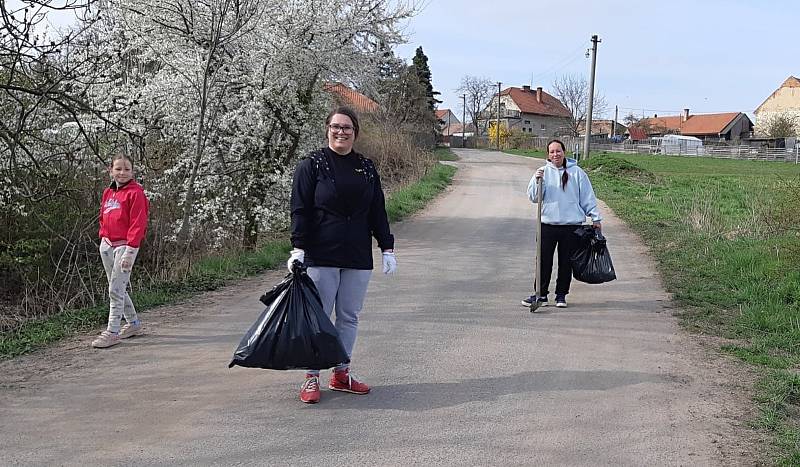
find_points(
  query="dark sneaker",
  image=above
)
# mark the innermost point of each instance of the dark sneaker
(345, 382)
(309, 392)
(561, 301)
(529, 301)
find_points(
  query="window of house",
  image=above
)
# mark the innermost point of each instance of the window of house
(542, 128)
(527, 122)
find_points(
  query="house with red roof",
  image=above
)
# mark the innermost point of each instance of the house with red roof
(447, 116)
(448, 122)
(531, 111)
(344, 95)
(728, 126)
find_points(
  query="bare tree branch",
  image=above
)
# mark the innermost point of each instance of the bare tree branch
(573, 92)
(479, 91)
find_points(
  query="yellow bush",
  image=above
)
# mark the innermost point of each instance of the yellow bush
(504, 132)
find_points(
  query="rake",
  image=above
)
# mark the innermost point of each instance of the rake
(537, 277)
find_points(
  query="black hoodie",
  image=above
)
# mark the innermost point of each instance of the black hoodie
(336, 230)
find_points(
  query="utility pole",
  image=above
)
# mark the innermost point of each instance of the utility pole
(449, 128)
(464, 121)
(497, 128)
(614, 125)
(595, 41)
(476, 119)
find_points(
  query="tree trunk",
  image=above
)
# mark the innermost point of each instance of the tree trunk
(250, 234)
(183, 233)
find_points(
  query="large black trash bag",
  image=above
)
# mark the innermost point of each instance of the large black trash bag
(591, 261)
(293, 332)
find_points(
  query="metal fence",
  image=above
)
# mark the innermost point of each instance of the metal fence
(740, 152)
(575, 147)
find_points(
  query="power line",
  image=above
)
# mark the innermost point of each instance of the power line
(564, 62)
(645, 109)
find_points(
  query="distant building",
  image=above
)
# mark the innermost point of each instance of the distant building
(785, 101)
(729, 126)
(637, 133)
(605, 128)
(448, 122)
(531, 111)
(344, 95)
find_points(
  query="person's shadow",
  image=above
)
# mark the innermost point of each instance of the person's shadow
(427, 396)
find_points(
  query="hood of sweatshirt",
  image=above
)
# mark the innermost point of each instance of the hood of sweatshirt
(570, 163)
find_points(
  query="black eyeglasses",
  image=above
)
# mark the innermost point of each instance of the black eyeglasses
(339, 128)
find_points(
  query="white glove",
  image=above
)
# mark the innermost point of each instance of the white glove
(389, 262)
(295, 254)
(539, 172)
(127, 259)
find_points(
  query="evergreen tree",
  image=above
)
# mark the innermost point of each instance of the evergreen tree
(420, 63)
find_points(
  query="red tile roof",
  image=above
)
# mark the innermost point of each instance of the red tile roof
(351, 97)
(527, 103)
(708, 124)
(704, 124)
(441, 113)
(637, 134)
(661, 124)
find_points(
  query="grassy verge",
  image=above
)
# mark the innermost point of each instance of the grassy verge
(526, 153)
(444, 154)
(207, 274)
(725, 237)
(414, 197)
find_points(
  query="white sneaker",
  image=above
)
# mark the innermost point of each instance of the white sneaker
(130, 330)
(105, 339)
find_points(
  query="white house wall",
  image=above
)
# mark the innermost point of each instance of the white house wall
(527, 123)
(784, 101)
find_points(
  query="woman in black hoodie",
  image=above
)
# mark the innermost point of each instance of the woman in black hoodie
(337, 206)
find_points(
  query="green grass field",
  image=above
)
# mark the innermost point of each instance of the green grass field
(727, 242)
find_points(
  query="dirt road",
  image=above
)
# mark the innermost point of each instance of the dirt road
(462, 374)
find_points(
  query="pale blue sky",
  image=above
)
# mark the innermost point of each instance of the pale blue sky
(655, 56)
(705, 55)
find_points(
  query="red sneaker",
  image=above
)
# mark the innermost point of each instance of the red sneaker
(344, 381)
(309, 391)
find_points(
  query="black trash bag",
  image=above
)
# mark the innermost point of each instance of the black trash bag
(591, 261)
(293, 332)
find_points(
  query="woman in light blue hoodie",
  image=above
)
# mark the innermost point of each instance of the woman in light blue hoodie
(567, 200)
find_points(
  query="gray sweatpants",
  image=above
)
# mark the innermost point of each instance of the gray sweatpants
(120, 302)
(342, 290)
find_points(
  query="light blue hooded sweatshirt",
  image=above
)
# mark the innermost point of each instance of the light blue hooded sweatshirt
(570, 206)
